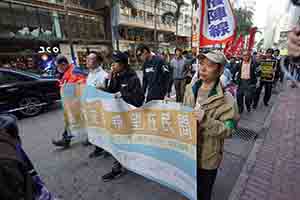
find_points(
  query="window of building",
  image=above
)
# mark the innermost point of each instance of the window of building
(32, 18)
(63, 26)
(7, 24)
(19, 13)
(46, 22)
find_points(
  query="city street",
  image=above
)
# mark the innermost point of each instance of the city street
(71, 175)
(70, 67)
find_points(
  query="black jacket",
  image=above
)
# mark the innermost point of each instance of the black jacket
(253, 72)
(128, 83)
(156, 77)
(16, 183)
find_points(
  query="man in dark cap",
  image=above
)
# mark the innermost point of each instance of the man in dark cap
(125, 83)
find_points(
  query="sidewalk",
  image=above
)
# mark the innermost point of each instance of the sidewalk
(272, 169)
(236, 150)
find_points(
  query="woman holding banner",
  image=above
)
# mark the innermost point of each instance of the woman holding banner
(216, 115)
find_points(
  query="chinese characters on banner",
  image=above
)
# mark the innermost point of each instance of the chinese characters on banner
(157, 140)
(267, 70)
(218, 24)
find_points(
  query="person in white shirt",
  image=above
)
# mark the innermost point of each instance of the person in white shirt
(97, 78)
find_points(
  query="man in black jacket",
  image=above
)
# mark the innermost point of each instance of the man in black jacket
(156, 74)
(125, 83)
(246, 80)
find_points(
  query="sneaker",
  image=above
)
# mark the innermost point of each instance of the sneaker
(96, 153)
(114, 174)
(62, 143)
(266, 104)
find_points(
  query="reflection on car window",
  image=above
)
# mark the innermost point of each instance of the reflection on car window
(9, 78)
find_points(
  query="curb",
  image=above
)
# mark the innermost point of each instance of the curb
(250, 162)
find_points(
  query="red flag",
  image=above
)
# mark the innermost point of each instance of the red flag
(237, 47)
(251, 40)
(218, 24)
(228, 48)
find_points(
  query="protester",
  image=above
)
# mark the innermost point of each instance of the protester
(18, 178)
(246, 80)
(279, 74)
(68, 76)
(178, 64)
(97, 78)
(167, 59)
(125, 83)
(266, 80)
(232, 66)
(215, 114)
(156, 74)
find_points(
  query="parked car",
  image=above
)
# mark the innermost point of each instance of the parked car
(26, 93)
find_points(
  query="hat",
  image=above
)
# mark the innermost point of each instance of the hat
(216, 57)
(120, 57)
(8, 122)
(60, 59)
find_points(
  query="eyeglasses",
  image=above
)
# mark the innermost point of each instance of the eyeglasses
(208, 64)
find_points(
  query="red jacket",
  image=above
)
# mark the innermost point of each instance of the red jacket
(70, 77)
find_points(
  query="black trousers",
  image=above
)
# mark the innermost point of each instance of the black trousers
(205, 183)
(180, 88)
(268, 92)
(245, 91)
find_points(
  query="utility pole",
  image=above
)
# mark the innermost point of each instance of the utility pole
(155, 24)
(66, 7)
(192, 26)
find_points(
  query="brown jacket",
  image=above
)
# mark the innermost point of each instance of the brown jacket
(217, 124)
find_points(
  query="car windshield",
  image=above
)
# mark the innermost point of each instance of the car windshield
(27, 73)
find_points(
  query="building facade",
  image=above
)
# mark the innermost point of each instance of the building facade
(33, 32)
(136, 24)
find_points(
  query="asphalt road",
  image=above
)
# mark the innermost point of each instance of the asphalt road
(71, 175)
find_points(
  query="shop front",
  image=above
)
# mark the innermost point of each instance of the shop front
(30, 55)
(32, 35)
